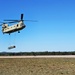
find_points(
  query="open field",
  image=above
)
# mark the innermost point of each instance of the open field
(42, 56)
(37, 66)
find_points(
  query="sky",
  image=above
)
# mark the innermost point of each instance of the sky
(54, 31)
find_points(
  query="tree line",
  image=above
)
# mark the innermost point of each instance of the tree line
(35, 53)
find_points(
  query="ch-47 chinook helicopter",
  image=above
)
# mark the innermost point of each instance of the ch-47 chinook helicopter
(13, 28)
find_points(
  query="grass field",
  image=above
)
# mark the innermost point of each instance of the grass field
(37, 66)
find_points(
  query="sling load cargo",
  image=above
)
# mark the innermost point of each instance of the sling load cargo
(11, 47)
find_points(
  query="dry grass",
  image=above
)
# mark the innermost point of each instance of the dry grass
(37, 66)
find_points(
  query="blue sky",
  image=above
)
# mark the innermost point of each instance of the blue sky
(54, 31)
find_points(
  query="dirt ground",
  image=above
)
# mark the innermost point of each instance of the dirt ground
(37, 66)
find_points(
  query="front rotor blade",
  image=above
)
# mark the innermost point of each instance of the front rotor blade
(11, 20)
(0, 24)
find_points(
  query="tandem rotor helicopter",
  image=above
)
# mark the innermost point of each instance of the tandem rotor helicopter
(16, 27)
(6, 29)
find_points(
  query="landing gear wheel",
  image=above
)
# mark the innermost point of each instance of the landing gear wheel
(18, 31)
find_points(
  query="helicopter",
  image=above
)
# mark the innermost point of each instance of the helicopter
(13, 28)
(16, 27)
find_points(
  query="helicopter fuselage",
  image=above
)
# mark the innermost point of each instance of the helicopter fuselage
(10, 29)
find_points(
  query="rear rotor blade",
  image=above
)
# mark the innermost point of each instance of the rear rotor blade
(31, 20)
(21, 16)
